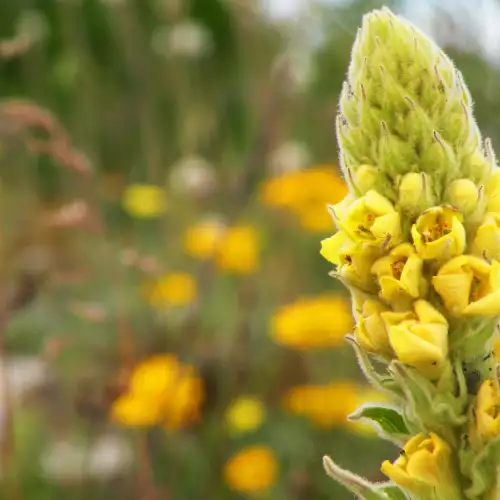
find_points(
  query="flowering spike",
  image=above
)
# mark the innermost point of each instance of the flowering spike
(418, 246)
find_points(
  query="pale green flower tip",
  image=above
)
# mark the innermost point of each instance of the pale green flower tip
(415, 193)
(401, 111)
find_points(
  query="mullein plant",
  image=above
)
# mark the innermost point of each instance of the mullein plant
(418, 246)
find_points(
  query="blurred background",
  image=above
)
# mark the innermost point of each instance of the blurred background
(168, 330)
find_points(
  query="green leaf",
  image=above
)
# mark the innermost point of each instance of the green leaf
(388, 420)
(362, 488)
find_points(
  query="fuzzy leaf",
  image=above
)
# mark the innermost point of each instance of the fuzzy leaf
(362, 488)
(381, 382)
(387, 419)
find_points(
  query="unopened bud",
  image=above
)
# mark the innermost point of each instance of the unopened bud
(463, 194)
(415, 193)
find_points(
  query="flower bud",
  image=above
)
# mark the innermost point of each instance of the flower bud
(415, 194)
(366, 178)
(463, 194)
(486, 244)
(370, 331)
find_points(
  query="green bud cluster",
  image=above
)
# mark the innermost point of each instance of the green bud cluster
(406, 109)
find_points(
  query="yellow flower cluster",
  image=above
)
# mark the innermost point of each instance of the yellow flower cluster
(391, 269)
(305, 193)
(234, 249)
(161, 391)
(312, 322)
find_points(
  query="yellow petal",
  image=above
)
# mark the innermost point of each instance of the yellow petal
(411, 275)
(428, 314)
(487, 306)
(454, 289)
(399, 476)
(330, 247)
(423, 467)
(378, 204)
(416, 351)
(392, 289)
(388, 226)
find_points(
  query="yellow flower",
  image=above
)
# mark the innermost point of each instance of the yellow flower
(244, 414)
(177, 289)
(325, 405)
(306, 193)
(400, 274)
(161, 391)
(252, 470)
(370, 331)
(137, 411)
(469, 286)
(420, 341)
(352, 261)
(488, 409)
(202, 240)
(487, 241)
(144, 200)
(439, 233)
(371, 218)
(424, 467)
(313, 323)
(493, 191)
(239, 250)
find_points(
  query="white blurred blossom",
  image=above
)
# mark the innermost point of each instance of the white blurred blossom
(71, 460)
(25, 374)
(188, 39)
(192, 175)
(110, 456)
(289, 157)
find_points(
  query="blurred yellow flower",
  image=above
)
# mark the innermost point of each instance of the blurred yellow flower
(238, 251)
(313, 322)
(252, 470)
(202, 240)
(161, 391)
(144, 201)
(306, 193)
(244, 414)
(325, 405)
(171, 290)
